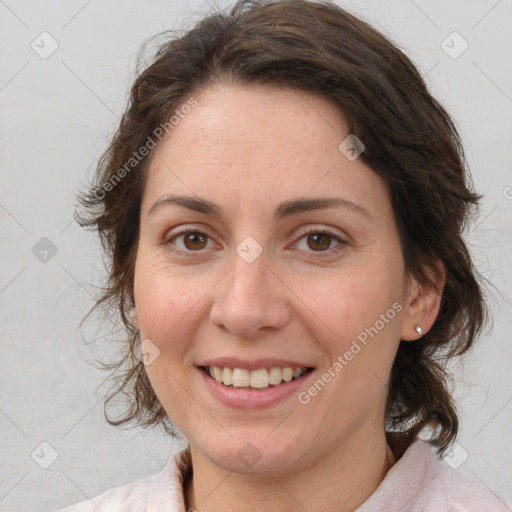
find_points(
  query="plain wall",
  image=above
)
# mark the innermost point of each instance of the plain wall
(57, 116)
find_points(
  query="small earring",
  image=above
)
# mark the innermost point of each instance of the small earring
(419, 330)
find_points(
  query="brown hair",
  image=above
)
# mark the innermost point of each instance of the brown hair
(411, 142)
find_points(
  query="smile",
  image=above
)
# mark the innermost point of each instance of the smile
(261, 378)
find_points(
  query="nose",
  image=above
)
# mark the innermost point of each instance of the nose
(251, 299)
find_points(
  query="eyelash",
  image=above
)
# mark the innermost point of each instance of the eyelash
(317, 254)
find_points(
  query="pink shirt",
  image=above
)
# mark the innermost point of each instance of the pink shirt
(418, 482)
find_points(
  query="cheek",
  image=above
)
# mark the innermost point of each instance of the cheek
(162, 295)
(350, 299)
(169, 383)
(360, 310)
(171, 303)
(163, 300)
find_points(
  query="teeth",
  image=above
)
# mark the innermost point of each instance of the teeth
(287, 374)
(227, 376)
(216, 373)
(275, 376)
(241, 378)
(258, 379)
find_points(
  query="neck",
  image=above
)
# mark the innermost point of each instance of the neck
(340, 480)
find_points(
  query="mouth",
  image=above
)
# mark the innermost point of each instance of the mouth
(259, 379)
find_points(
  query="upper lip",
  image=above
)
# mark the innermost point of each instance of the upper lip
(233, 362)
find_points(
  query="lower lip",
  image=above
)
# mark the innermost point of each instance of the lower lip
(247, 399)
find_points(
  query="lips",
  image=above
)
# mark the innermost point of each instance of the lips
(249, 398)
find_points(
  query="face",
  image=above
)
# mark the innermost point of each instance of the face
(255, 282)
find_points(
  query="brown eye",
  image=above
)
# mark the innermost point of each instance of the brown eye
(194, 240)
(187, 243)
(320, 241)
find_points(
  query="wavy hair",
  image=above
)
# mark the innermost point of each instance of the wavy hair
(411, 142)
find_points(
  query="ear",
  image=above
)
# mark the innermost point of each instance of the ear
(423, 301)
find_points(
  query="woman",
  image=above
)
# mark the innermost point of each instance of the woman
(283, 207)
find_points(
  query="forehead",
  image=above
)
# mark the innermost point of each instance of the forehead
(255, 143)
(256, 121)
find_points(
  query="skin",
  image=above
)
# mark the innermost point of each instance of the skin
(247, 149)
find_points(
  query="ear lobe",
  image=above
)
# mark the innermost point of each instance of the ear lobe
(423, 303)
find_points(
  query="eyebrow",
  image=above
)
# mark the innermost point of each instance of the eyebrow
(285, 209)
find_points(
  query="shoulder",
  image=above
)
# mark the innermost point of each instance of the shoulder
(421, 482)
(155, 493)
(459, 493)
(130, 498)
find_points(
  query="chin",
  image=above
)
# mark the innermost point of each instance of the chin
(253, 455)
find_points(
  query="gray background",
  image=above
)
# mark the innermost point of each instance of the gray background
(57, 115)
